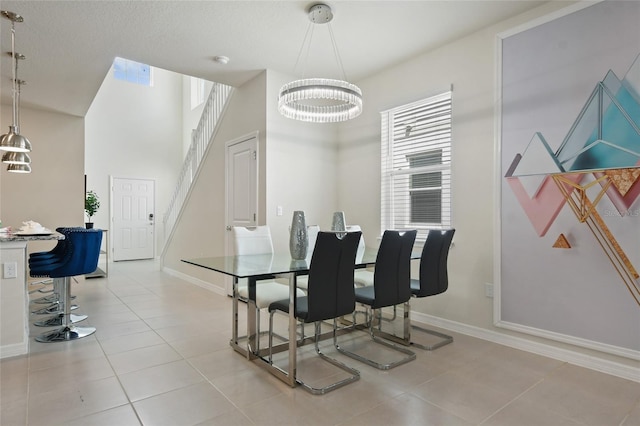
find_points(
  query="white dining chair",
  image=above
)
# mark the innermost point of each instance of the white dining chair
(312, 232)
(361, 277)
(257, 240)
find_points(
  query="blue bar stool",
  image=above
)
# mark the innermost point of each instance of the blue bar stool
(80, 257)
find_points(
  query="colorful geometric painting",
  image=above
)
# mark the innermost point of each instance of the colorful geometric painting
(570, 168)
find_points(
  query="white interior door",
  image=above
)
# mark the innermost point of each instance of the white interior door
(241, 188)
(133, 218)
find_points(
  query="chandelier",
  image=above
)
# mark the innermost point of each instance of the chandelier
(320, 100)
(13, 142)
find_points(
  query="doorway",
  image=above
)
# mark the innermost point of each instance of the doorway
(133, 218)
(241, 188)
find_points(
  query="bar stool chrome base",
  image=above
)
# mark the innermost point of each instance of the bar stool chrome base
(58, 320)
(65, 334)
(49, 299)
(53, 309)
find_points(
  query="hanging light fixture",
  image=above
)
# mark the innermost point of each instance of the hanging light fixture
(320, 100)
(14, 141)
(19, 168)
(14, 157)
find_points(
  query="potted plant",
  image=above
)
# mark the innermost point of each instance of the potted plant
(91, 206)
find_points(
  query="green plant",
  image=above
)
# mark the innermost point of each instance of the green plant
(91, 204)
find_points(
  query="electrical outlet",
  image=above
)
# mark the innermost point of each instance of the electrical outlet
(488, 289)
(10, 270)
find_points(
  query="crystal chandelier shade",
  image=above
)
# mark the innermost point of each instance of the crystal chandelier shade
(320, 100)
(299, 100)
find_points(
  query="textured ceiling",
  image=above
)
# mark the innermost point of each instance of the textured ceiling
(70, 45)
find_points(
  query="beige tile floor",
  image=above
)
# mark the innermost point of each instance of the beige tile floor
(161, 357)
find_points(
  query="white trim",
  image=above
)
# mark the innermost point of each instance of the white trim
(573, 357)
(195, 281)
(572, 340)
(547, 18)
(14, 349)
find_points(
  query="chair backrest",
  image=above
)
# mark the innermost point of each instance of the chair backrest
(82, 251)
(392, 274)
(312, 232)
(434, 278)
(252, 241)
(330, 290)
(361, 246)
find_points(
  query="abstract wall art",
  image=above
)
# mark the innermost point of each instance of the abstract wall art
(570, 178)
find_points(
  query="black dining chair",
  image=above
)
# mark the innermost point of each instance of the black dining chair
(330, 295)
(391, 278)
(434, 277)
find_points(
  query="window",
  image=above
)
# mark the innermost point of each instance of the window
(131, 71)
(197, 92)
(416, 165)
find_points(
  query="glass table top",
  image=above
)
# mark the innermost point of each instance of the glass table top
(270, 264)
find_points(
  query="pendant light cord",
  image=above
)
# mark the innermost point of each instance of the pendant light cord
(14, 71)
(336, 52)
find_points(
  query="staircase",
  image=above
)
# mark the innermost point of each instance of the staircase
(200, 139)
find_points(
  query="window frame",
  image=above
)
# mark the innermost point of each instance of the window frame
(432, 123)
(132, 71)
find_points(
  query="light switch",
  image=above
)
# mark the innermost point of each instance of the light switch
(279, 211)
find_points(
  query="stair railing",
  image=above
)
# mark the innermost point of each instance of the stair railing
(200, 140)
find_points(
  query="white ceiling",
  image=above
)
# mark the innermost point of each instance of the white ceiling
(70, 45)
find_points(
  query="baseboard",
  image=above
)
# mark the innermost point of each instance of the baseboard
(561, 354)
(572, 340)
(200, 283)
(14, 349)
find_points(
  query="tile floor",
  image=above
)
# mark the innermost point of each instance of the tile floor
(161, 357)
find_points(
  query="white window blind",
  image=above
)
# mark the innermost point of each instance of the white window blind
(416, 165)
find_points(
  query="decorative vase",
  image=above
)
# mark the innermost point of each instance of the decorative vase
(339, 223)
(299, 238)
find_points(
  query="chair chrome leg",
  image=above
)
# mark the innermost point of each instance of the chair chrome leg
(405, 339)
(355, 374)
(410, 356)
(445, 339)
(59, 320)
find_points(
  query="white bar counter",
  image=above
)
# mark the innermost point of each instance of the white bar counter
(14, 297)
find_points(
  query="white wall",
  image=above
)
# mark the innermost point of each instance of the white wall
(53, 193)
(302, 168)
(134, 131)
(200, 231)
(469, 65)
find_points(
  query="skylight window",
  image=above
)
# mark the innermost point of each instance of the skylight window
(133, 72)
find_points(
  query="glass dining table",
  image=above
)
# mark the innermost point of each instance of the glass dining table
(264, 266)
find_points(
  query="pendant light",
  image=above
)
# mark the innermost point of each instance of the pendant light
(14, 141)
(320, 100)
(13, 157)
(19, 168)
